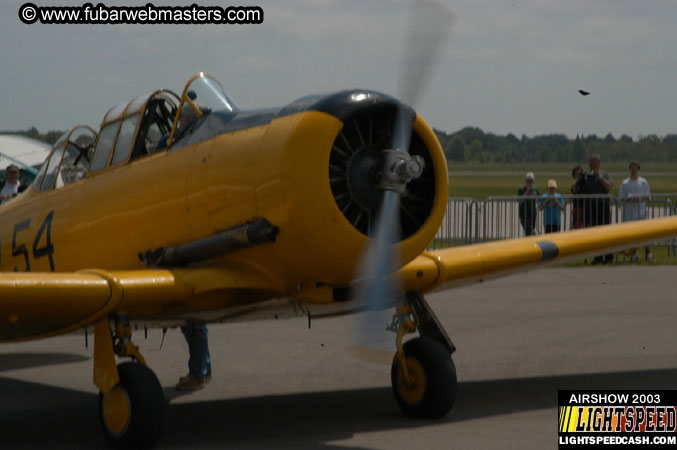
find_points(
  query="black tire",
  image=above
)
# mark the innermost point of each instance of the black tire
(432, 392)
(144, 421)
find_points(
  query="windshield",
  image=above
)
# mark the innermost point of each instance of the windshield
(201, 96)
(208, 95)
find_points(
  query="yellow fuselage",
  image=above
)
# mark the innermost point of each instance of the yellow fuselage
(278, 171)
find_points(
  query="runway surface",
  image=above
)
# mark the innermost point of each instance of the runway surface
(278, 384)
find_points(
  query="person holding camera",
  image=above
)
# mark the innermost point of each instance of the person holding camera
(598, 184)
(578, 204)
(527, 207)
(552, 204)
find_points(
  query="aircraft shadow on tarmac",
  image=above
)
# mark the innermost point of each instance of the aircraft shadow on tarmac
(40, 416)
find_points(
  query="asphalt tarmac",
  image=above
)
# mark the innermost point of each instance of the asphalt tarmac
(279, 384)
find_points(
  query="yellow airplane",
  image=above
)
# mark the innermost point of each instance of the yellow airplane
(186, 207)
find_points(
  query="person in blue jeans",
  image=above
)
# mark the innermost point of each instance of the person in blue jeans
(199, 362)
(551, 203)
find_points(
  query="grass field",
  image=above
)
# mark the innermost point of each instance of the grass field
(661, 256)
(488, 180)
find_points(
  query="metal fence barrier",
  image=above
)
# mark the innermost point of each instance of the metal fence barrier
(469, 221)
(458, 226)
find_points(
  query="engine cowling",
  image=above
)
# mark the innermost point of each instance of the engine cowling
(329, 197)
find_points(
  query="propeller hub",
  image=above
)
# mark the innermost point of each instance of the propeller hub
(399, 169)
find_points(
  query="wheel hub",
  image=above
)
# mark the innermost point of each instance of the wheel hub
(116, 410)
(413, 391)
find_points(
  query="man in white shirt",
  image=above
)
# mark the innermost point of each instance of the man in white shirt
(11, 186)
(634, 193)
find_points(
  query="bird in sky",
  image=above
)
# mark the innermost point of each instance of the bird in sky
(583, 93)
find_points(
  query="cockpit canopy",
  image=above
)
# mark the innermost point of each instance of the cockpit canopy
(145, 125)
(68, 161)
(133, 129)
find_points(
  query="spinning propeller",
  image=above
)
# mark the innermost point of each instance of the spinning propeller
(428, 30)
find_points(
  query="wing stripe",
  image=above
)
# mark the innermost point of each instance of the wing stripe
(549, 249)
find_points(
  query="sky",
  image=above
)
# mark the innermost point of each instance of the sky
(508, 66)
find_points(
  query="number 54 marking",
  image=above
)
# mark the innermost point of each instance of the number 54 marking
(47, 250)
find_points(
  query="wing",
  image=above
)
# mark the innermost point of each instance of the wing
(446, 268)
(34, 305)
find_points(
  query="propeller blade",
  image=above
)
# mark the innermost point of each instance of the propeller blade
(404, 118)
(381, 256)
(429, 28)
(376, 288)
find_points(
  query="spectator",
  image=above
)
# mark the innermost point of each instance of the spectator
(11, 186)
(577, 206)
(598, 208)
(527, 206)
(633, 194)
(553, 204)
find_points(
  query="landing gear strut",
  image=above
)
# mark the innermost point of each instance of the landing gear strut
(131, 401)
(423, 375)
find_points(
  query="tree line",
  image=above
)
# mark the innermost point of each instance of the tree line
(472, 145)
(49, 137)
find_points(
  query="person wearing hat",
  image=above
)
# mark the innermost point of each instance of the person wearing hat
(527, 206)
(552, 204)
(633, 194)
(11, 186)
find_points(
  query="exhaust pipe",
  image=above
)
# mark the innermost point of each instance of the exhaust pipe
(252, 233)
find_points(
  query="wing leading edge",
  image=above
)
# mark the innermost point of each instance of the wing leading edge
(476, 263)
(35, 305)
